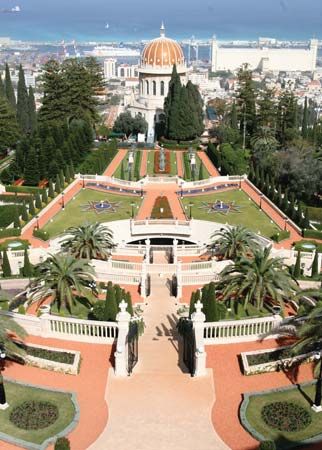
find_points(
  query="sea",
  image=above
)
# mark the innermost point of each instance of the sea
(136, 20)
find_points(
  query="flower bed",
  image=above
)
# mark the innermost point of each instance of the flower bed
(34, 415)
(286, 416)
(56, 359)
(161, 209)
(271, 360)
(167, 167)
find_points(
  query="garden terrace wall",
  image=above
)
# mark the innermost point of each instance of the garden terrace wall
(271, 366)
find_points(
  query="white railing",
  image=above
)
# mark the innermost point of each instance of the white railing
(198, 279)
(157, 226)
(162, 268)
(80, 330)
(118, 278)
(148, 179)
(239, 330)
(196, 266)
(66, 328)
(124, 265)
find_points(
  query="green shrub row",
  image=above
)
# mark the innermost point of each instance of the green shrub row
(315, 213)
(40, 234)
(51, 355)
(25, 189)
(15, 198)
(314, 234)
(281, 235)
(10, 232)
(8, 213)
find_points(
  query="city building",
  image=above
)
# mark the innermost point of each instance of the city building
(155, 69)
(109, 68)
(127, 71)
(265, 58)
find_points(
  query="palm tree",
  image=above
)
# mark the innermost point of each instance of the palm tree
(62, 277)
(234, 242)
(257, 279)
(89, 241)
(264, 143)
(10, 333)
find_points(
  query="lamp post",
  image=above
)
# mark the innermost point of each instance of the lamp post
(83, 179)
(141, 182)
(132, 212)
(63, 200)
(190, 210)
(285, 223)
(260, 201)
(37, 222)
(181, 187)
(318, 391)
(3, 400)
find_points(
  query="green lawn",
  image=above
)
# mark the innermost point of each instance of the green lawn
(18, 393)
(73, 214)
(256, 404)
(249, 215)
(117, 173)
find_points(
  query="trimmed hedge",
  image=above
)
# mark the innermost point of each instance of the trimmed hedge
(281, 235)
(40, 234)
(314, 234)
(62, 443)
(25, 189)
(315, 213)
(14, 198)
(10, 232)
(8, 214)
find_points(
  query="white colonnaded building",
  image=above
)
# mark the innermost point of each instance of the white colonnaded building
(155, 69)
(265, 58)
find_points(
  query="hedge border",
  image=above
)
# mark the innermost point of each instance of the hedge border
(251, 430)
(10, 232)
(51, 440)
(25, 189)
(312, 234)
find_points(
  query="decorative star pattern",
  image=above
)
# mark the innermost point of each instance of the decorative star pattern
(102, 206)
(220, 207)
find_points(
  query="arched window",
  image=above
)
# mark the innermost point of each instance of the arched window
(154, 88)
(162, 88)
(147, 87)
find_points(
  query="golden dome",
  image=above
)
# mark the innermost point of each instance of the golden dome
(162, 52)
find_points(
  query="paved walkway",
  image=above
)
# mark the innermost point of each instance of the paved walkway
(144, 163)
(180, 170)
(213, 172)
(152, 192)
(89, 387)
(115, 163)
(160, 406)
(230, 384)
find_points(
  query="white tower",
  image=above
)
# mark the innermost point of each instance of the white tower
(109, 68)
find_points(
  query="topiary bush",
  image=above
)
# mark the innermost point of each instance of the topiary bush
(34, 415)
(286, 416)
(267, 445)
(62, 443)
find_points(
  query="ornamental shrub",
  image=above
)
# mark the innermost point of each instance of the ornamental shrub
(267, 445)
(62, 443)
(6, 269)
(286, 416)
(34, 415)
(40, 234)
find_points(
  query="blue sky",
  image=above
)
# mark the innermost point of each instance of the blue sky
(141, 18)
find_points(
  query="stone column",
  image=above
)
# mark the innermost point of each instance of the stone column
(179, 280)
(175, 251)
(148, 250)
(143, 279)
(198, 318)
(123, 323)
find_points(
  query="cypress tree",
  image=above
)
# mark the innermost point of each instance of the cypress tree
(119, 294)
(257, 176)
(62, 178)
(6, 269)
(305, 120)
(291, 209)
(72, 171)
(297, 267)
(315, 265)
(122, 172)
(172, 106)
(38, 203)
(51, 191)
(204, 298)
(24, 212)
(10, 93)
(16, 220)
(32, 110)
(8, 126)
(67, 174)
(192, 303)
(299, 215)
(44, 197)
(233, 117)
(285, 204)
(27, 267)
(57, 185)
(251, 174)
(22, 102)
(2, 89)
(201, 175)
(128, 300)
(279, 196)
(110, 311)
(32, 210)
(31, 173)
(306, 220)
(211, 300)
